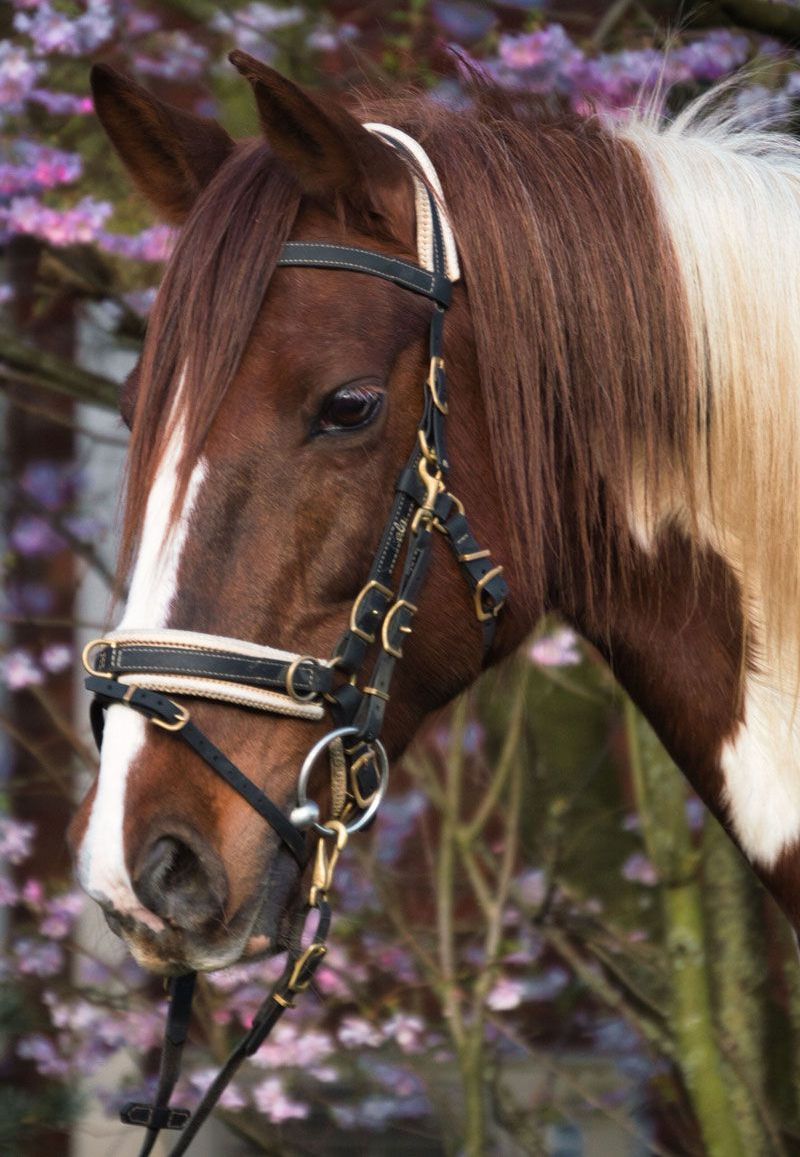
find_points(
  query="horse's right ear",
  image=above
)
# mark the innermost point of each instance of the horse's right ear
(171, 154)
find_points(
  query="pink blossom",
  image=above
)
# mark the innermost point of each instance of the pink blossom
(18, 75)
(407, 1031)
(640, 870)
(33, 893)
(355, 1032)
(19, 670)
(16, 840)
(38, 957)
(270, 1098)
(505, 994)
(80, 224)
(56, 657)
(559, 648)
(8, 893)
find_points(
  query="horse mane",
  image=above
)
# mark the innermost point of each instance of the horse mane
(633, 292)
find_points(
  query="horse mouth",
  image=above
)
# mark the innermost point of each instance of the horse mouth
(262, 929)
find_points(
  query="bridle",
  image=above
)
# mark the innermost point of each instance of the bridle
(141, 669)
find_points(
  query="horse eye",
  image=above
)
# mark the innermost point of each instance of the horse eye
(348, 408)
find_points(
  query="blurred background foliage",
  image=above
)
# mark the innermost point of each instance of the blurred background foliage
(545, 946)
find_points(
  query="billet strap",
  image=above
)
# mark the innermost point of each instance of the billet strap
(161, 1115)
(301, 965)
(319, 255)
(175, 718)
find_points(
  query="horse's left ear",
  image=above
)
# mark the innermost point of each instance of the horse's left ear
(326, 149)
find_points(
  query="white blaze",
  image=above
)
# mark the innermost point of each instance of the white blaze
(101, 859)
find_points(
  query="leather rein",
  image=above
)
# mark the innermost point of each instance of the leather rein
(142, 669)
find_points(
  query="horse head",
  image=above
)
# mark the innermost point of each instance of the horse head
(272, 412)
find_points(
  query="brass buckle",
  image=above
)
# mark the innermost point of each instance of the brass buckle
(480, 611)
(87, 650)
(290, 674)
(180, 722)
(387, 622)
(362, 801)
(436, 366)
(371, 585)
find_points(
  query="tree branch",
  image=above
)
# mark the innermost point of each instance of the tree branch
(20, 360)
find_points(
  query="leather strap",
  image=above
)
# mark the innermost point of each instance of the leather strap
(325, 256)
(305, 678)
(165, 712)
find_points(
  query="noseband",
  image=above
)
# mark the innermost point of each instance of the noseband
(141, 669)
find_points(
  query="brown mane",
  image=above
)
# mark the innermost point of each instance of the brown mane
(555, 221)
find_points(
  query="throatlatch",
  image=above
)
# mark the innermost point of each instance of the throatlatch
(140, 669)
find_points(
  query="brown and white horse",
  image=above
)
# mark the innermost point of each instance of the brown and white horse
(624, 360)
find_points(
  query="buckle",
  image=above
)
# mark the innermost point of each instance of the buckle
(153, 1116)
(372, 585)
(483, 614)
(291, 690)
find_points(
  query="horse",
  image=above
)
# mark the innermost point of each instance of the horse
(623, 434)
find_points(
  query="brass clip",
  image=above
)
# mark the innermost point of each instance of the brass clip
(325, 864)
(313, 952)
(432, 481)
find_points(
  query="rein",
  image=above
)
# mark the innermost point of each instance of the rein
(140, 669)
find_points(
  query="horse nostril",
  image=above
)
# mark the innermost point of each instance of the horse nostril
(184, 885)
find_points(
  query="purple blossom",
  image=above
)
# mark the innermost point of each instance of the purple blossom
(232, 1098)
(292, 1044)
(6, 293)
(140, 300)
(559, 648)
(16, 840)
(38, 957)
(8, 893)
(547, 985)
(34, 537)
(61, 913)
(717, 54)
(29, 598)
(53, 31)
(62, 103)
(254, 26)
(31, 166)
(51, 484)
(153, 244)
(178, 58)
(42, 1051)
(463, 20)
(640, 870)
(271, 1099)
(18, 670)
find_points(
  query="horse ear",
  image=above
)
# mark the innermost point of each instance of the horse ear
(326, 149)
(171, 154)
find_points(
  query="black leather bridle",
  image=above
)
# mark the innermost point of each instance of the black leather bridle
(381, 616)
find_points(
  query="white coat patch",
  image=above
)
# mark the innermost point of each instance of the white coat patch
(101, 858)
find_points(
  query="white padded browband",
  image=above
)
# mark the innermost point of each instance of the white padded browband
(423, 209)
(215, 688)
